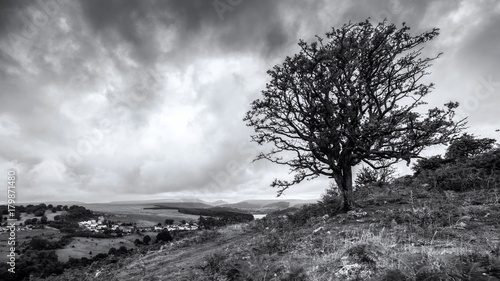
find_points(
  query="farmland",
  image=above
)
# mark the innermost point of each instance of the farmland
(136, 213)
(25, 237)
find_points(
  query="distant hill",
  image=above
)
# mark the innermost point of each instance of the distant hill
(256, 205)
(180, 205)
(135, 202)
(217, 203)
(243, 205)
(279, 205)
(55, 203)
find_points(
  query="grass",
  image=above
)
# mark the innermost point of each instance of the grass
(403, 234)
(82, 247)
(25, 237)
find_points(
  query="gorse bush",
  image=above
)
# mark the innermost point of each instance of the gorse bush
(469, 164)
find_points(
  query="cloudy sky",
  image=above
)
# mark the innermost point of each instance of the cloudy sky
(120, 100)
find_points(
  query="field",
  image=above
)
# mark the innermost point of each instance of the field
(137, 213)
(25, 237)
(82, 247)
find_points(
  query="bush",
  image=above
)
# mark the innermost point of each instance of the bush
(39, 212)
(306, 212)
(100, 256)
(478, 172)
(164, 236)
(394, 275)
(364, 253)
(377, 177)
(113, 251)
(38, 244)
(122, 250)
(331, 201)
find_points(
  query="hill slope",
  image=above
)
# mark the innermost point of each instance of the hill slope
(412, 235)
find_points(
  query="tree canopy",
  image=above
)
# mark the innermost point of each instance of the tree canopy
(468, 146)
(354, 97)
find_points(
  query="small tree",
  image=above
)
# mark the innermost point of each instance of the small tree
(468, 146)
(39, 212)
(370, 176)
(350, 99)
(164, 236)
(122, 250)
(43, 220)
(146, 239)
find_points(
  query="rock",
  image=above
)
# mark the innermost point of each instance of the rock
(465, 218)
(318, 229)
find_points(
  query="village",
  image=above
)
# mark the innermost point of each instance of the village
(101, 226)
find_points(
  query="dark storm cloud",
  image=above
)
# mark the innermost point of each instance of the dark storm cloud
(141, 98)
(11, 16)
(481, 52)
(411, 12)
(199, 27)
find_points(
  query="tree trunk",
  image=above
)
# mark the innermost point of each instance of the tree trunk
(344, 182)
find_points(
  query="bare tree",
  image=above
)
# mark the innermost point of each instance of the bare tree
(351, 98)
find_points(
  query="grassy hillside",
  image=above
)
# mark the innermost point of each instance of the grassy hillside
(401, 233)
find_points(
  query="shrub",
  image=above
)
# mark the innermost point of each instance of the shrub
(295, 273)
(100, 256)
(122, 250)
(38, 243)
(364, 253)
(207, 235)
(331, 201)
(164, 236)
(394, 275)
(214, 264)
(113, 251)
(480, 171)
(39, 212)
(378, 177)
(306, 212)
